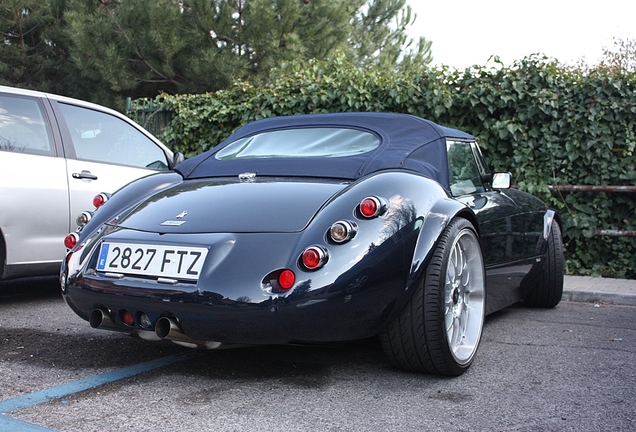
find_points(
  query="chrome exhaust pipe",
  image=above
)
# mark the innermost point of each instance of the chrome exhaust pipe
(167, 328)
(100, 318)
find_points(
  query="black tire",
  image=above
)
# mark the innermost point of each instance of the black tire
(546, 285)
(427, 335)
(3, 254)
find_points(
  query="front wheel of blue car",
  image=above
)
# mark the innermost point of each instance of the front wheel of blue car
(439, 329)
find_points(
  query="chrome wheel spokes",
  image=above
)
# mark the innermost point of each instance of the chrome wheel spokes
(464, 296)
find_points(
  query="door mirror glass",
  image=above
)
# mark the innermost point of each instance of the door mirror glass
(501, 180)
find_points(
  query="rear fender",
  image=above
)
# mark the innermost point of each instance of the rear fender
(432, 211)
(131, 193)
(433, 225)
(417, 213)
(541, 249)
(119, 203)
(549, 217)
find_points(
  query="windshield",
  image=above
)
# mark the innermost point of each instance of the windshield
(302, 142)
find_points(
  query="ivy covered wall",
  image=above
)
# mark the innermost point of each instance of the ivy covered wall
(546, 123)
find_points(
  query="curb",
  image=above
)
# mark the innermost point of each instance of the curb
(595, 289)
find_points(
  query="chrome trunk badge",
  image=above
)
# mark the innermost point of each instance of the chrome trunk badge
(247, 177)
(173, 223)
(176, 222)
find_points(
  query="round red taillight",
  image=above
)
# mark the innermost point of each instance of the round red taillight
(370, 207)
(100, 199)
(286, 279)
(314, 257)
(311, 258)
(71, 240)
(127, 318)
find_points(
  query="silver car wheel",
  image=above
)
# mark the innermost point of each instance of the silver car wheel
(439, 329)
(464, 297)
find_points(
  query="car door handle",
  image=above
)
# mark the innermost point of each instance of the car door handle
(84, 175)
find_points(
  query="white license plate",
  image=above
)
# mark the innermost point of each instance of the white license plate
(178, 262)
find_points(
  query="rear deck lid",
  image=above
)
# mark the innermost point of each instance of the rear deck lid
(229, 205)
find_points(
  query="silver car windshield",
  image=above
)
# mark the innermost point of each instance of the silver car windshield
(304, 142)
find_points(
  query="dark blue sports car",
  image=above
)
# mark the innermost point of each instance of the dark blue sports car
(316, 228)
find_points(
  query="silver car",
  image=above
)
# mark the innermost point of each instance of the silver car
(56, 154)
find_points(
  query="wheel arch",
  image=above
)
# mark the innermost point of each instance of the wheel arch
(543, 285)
(557, 218)
(549, 216)
(439, 217)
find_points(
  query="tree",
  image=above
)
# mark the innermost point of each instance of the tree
(34, 48)
(379, 37)
(35, 51)
(141, 48)
(104, 50)
(622, 57)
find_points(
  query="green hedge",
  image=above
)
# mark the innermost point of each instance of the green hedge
(546, 123)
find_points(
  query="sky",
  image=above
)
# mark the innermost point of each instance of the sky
(468, 32)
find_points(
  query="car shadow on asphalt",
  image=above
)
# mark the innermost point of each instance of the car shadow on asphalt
(29, 288)
(75, 348)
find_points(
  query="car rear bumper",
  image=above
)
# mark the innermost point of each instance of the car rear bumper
(338, 312)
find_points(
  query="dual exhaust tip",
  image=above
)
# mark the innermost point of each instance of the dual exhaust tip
(165, 328)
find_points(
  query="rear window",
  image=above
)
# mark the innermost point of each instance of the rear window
(304, 142)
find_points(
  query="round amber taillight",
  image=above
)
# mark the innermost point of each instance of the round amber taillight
(84, 218)
(343, 231)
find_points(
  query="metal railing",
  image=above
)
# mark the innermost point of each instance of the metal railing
(600, 188)
(592, 188)
(149, 114)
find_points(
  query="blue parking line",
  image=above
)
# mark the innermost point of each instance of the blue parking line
(9, 424)
(36, 398)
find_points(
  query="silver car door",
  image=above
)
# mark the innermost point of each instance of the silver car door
(34, 210)
(107, 152)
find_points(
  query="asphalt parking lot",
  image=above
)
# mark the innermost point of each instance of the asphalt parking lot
(568, 368)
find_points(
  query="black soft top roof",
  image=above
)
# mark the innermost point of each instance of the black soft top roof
(406, 142)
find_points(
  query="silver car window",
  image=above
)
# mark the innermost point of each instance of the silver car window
(22, 126)
(101, 137)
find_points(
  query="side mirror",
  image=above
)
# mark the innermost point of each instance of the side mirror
(486, 178)
(178, 158)
(501, 180)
